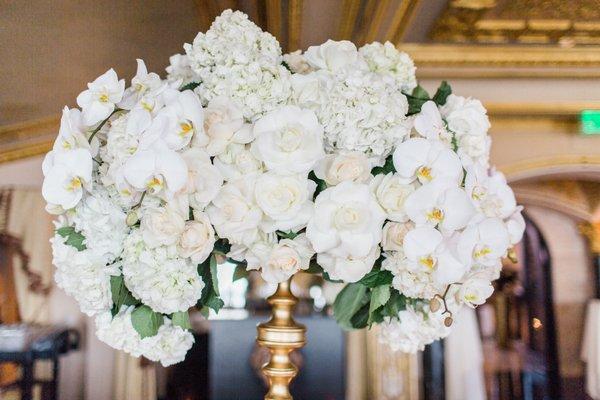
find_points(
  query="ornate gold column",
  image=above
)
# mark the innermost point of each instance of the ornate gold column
(281, 335)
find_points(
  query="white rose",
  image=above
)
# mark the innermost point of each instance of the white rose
(289, 140)
(279, 261)
(224, 124)
(393, 235)
(465, 116)
(285, 200)
(474, 291)
(348, 269)
(310, 90)
(236, 161)
(234, 212)
(347, 221)
(204, 179)
(391, 192)
(332, 55)
(473, 148)
(198, 239)
(297, 62)
(351, 166)
(161, 226)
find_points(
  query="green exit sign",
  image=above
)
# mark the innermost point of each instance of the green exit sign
(590, 122)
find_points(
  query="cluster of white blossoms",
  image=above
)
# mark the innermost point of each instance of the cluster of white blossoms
(324, 161)
(356, 95)
(169, 345)
(235, 58)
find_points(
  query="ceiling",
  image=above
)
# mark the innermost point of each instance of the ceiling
(54, 48)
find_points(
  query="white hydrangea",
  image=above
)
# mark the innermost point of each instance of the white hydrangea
(411, 282)
(235, 58)
(412, 330)
(360, 111)
(87, 281)
(386, 59)
(169, 345)
(159, 277)
(102, 223)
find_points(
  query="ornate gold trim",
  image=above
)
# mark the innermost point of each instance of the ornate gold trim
(27, 139)
(559, 164)
(503, 61)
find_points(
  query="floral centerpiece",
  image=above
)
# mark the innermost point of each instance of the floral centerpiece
(332, 161)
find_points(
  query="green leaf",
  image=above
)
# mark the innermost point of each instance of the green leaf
(420, 93)
(379, 296)
(348, 302)
(386, 168)
(416, 99)
(74, 238)
(209, 297)
(377, 278)
(286, 65)
(222, 246)
(361, 318)
(181, 319)
(213, 274)
(240, 272)
(395, 304)
(215, 303)
(145, 321)
(321, 185)
(190, 86)
(287, 235)
(65, 231)
(314, 268)
(120, 294)
(441, 95)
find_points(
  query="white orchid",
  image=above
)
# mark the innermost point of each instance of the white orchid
(425, 160)
(289, 140)
(490, 194)
(475, 290)
(440, 203)
(155, 167)
(516, 226)
(224, 125)
(66, 174)
(180, 120)
(426, 250)
(72, 133)
(144, 85)
(347, 220)
(484, 243)
(204, 179)
(98, 101)
(285, 200)
(430, 125)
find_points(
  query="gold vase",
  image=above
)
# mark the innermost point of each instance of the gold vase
(281, 335)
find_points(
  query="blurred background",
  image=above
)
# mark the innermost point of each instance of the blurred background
(535, 64)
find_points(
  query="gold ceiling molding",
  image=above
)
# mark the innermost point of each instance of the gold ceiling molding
(519, 21)
(560, 165)
(27, 139)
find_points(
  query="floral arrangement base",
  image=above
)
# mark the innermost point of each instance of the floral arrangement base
(281, 335)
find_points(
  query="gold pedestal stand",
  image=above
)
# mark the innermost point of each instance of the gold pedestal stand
(281, 335)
